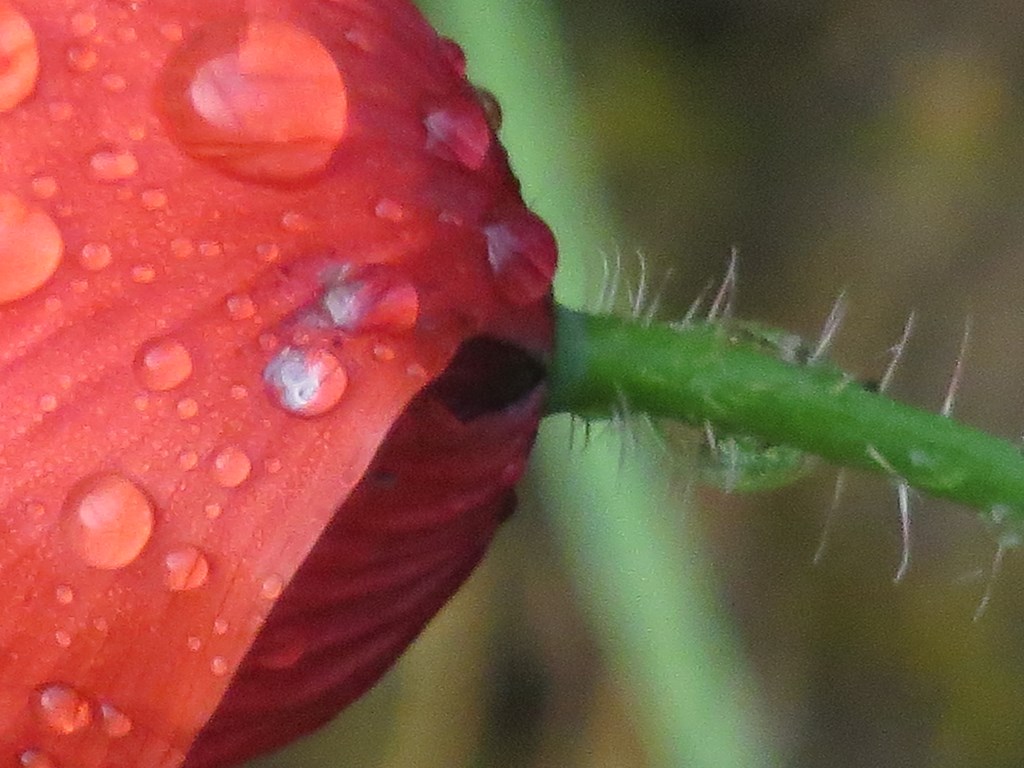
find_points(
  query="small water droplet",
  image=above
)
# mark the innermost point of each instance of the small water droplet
(182, 248)
(31, 246)
(163, 364)
(47, 403)
(220, 627)
(65, 595)
(231, 467)
(62, 638)
(116, 724)
(33, 758)
(383, 352)
(95, 256)
(108, 520)
(452, 53)
(83, 24)
(259, 98)
(219, 666)
(19, 58)
(240, 306)
(187, 408)
(113, 165)
(306, 382)
(44, 187)
(491, 107)
(153, 199)
(268, 252)
(271, 587)
(522, 253)
(113, 82)
(390, 210)
(143, 274)
(187, 569)
(377, 298)
(62, 709)
(188, 460)
(212, 511)
(193, 643)
(82, 58)
(284, 650)
(209, 249)
(172, 32)
(459, 132)
(295, 222)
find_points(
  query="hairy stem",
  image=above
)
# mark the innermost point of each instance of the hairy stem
(704, 374)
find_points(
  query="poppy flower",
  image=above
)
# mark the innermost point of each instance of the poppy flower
(274, 323)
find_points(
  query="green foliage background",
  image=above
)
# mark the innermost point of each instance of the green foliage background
(862, 145)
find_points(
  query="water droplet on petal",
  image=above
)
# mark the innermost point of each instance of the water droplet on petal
(163, 364)
(231, 467)
(83, 24)
(33, 758)
(454, 55)
(261, 98)
(390, 210)
(459, 132)
(522, 253)
(187, 568)
(377, 298)
(19, 58)
(219, 666)
(108, 520)
(491, 107)
(284, 650)
(153, 199)
(306, 382)
(62, 709)
(31, 247)
(116, 724)
(113, 165)
(271, 587)
(64, 594)
(95, 256)
(44, 187)
(114, 82)
(240, 306)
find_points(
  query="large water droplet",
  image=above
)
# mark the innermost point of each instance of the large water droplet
(19, 58)
(186, 568)
(260, 98)
(108, 520)
(377, 298)
(231, 467)
(459, 132)
(522, 253)
(306, 382)
(163, 364)
(31, 247)
(62, 709)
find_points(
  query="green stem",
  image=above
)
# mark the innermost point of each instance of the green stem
(703, 373)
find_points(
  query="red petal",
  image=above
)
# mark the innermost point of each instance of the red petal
(214, 315)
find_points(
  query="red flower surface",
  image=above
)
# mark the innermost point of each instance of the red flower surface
(273, 328)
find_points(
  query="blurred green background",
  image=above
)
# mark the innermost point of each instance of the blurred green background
(626, 620)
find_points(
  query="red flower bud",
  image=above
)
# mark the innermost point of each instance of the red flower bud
(273, 328)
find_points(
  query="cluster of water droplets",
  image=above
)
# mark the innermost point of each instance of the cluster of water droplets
(309, 380)
(66, 711)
